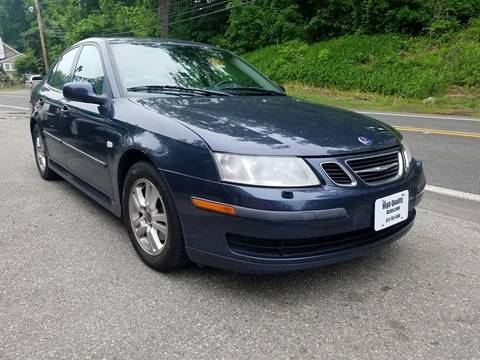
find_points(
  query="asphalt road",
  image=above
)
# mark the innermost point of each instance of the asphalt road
(14, 99)
(71, 285)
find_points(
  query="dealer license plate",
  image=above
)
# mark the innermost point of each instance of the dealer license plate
(391, 210)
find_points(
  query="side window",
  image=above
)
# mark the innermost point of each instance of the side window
(62, 71)
(89, 68)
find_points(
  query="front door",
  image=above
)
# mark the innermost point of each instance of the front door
(51, 102)
(83, 130)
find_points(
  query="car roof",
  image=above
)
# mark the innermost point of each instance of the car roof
(113, 40)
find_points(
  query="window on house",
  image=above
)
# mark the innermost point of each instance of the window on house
(7, 67)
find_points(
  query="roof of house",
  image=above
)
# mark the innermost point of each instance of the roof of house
(7, 52)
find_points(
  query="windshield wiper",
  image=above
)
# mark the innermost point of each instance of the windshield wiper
(176, 89)
(254, 89)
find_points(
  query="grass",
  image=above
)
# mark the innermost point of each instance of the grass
(455, 103)
(382, 72)
(383, 64)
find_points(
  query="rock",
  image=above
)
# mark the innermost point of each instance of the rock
(429, 100)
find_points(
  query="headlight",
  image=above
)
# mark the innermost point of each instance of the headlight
(275, 171)
(407, 156)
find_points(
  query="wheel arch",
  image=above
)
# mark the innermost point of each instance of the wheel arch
(33, 122)
(129, 157)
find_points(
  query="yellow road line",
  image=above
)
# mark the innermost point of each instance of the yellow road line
(439, 132)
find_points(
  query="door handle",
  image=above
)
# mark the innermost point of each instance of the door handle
(65, 109)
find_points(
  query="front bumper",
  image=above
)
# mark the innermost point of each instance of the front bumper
(335, 223)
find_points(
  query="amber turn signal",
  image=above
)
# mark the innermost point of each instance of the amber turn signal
(213, 206)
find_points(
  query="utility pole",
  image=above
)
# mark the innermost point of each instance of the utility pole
(42, 38)
(164, 15)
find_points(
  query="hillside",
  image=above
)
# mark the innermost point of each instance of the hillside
(413, 68)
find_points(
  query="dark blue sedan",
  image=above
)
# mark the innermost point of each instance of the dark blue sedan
(209, 161)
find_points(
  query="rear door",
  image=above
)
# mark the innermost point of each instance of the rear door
(50, 101)
(83, 125)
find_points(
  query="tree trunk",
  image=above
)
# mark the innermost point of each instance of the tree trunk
(164, 16)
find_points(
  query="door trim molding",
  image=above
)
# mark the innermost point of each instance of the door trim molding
(52, 136)
(93, 158)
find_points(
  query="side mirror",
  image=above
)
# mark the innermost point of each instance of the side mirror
(83, 92)
(282, 88)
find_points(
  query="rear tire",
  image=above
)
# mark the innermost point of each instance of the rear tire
(41, 155)
(151, 219)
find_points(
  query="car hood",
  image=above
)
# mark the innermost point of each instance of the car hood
(274, 125)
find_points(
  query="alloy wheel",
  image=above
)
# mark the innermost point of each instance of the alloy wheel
(40, 152)
(148, 217)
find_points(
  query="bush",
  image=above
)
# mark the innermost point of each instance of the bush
(472, 33)
(441, 27)
(386, 64)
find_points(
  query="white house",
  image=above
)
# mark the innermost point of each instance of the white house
(8, 55)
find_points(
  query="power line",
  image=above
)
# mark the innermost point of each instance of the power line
(129, 28)
(55, 2)
(201, 7)
(174, 3)
(212, 12)
(188, 19)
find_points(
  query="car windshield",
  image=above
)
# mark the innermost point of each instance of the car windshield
(157, 67)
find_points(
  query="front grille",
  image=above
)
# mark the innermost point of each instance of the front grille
(377, 169)
(337, 174)
(291, 248)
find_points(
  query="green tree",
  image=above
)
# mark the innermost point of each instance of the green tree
(243, 28)
(262, 24)
(207, 27)
(26, 65)
(12, 21)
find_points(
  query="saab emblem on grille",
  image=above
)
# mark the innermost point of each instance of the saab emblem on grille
(365, 141)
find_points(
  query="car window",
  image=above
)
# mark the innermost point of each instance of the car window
(62, 71)
(89, 68)
(37, 78)
(186, 66)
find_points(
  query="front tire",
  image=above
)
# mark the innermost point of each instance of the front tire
(41, 156)
(151, 219)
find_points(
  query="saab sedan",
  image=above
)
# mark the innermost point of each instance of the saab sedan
(209, 161)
